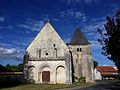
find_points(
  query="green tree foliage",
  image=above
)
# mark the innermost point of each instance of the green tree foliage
(110, 40)
(8, 68)
(95, 63)
(11, 68)
(2, 68)
(20, 67)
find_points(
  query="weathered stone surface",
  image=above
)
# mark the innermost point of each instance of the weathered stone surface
(49, 60)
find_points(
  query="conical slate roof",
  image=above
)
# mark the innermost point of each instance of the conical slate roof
(78, 38)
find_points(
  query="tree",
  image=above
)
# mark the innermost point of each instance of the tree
(95, 63)
(2, 68)
(20, 67)
(110, 40)
(11, 68)
(7, 67)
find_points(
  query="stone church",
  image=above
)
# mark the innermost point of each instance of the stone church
(48, 59)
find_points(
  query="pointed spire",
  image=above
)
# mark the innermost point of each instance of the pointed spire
(77, 26)
(48, 20)
(78, 38)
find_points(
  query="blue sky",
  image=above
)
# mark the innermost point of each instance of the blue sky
(21, 20)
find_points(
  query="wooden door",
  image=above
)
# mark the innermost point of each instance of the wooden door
(46, 76)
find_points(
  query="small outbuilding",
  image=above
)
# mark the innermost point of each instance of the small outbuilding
(97, 75)
(107, 72)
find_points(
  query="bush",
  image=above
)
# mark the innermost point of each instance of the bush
(118, 76)
(81, 80)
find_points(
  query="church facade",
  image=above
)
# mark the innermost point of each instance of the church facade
(48, 59)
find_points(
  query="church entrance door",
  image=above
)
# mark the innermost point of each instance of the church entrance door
(46, 76)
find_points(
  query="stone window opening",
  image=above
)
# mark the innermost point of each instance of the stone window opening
(39, 53)
(54, 45)
(46, 54)
(79, 49)
(55, 52)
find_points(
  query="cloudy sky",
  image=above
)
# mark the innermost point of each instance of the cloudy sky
(21, 20)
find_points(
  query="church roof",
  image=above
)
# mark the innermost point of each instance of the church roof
(78, 38)
(46, 38)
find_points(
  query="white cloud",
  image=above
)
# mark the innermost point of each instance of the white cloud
(2, 19)
(6, 51)
(79, 1)
(91, 28)
(24, 26)
(32, 25)
(5, 45)
(71, 1)
(75, 14)
(10, 53)
(55, 19)
(80, 15)
(6, 27)
(16, 43)
(95, 45)
(68, 12)
(91, 31)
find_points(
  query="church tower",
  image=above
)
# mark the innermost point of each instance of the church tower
(81, 56)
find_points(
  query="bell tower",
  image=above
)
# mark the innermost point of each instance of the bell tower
(80, 50)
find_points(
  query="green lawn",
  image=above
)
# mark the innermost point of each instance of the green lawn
(46, 86)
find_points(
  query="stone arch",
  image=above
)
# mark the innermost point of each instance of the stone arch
(43, 65)
(60, 74)
(31, 74)
(44, 74)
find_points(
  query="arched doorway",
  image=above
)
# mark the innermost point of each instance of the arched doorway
(45, 75)
(61, 74)
(31, 74)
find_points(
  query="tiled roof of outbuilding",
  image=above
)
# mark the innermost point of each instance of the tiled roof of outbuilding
(106, 69)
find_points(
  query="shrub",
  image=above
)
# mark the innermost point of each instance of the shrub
(81, 80)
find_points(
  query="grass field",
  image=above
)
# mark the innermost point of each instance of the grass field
(46, 86)
(17, 82)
